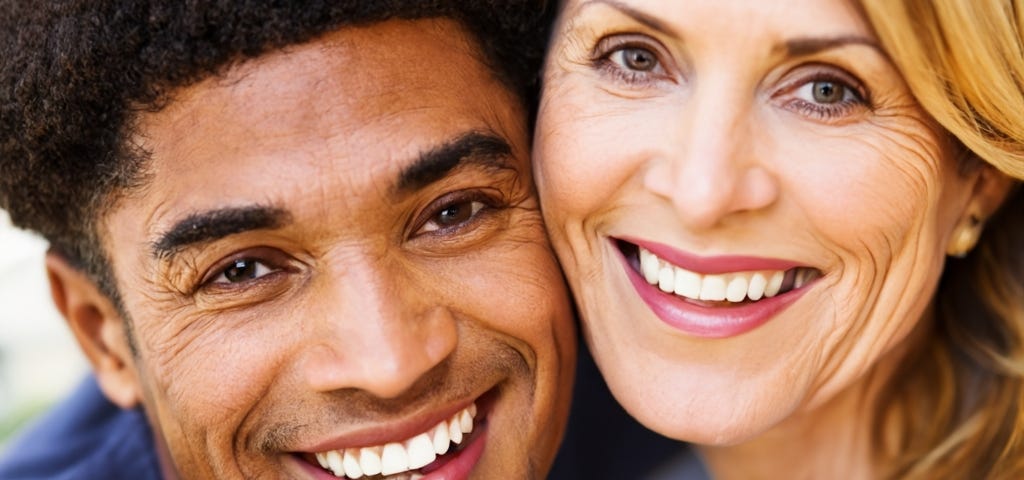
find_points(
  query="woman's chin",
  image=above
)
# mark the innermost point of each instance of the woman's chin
(711, 426)
(701, 407)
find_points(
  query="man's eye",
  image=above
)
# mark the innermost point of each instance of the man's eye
(242, 270)
(453, 215)
(637, 59)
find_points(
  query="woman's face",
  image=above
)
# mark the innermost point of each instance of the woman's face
(750, 206)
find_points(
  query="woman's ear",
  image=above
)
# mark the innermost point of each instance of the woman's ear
(99, 329)
(989, 191)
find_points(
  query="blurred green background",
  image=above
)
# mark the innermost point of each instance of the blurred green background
(39, 361)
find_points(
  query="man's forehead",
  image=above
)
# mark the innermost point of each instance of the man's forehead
(390, 94)
(376, 74)
(390, 116)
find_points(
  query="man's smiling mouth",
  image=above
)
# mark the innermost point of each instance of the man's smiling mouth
(413, 456)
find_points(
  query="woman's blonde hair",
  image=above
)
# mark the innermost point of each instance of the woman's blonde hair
(954, 411)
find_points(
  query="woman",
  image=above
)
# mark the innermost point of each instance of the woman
(754, 203)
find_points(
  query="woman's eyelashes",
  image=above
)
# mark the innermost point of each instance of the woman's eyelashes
(825, 95)
(630, 59)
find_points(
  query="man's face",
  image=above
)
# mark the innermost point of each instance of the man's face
(338, 251)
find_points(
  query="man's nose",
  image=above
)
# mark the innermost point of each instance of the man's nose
(713, 161)
(377, 335)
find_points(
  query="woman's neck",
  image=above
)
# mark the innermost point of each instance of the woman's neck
(832, 440)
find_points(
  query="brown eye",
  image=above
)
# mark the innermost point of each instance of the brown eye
(242, 270)
(635, 58)
(453, 215)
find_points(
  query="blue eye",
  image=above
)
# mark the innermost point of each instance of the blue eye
(637, 59)
(827, 92)
(632, 60)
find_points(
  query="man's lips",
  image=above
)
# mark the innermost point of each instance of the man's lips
(413, 453)
(407, 449)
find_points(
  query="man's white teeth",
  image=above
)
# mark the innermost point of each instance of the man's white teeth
(733, 287)
(397, 457)
(441, 439)
(369, 460)
(353, 467)
(421, 451)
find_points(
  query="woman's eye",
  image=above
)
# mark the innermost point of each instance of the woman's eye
(453, 215)
(242, 270)
(637, 59)
(828, 97)
(632, 61)
(827, 92)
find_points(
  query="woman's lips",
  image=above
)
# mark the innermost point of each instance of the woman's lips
(716, 297)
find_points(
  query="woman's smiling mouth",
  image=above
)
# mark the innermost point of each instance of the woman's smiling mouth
(714, 297)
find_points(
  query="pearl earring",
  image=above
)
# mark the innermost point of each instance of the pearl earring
(965, 238)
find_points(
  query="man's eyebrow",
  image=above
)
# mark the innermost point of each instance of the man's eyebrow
(215, 224)
(799, 47)
(434, 164)
(646, 19)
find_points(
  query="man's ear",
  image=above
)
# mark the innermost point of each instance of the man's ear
(98, 327)
(989, 191)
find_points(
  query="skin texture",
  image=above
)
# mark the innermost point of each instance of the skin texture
(719, 147)
(367, 303)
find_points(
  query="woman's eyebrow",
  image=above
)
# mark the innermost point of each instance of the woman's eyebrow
(641, 17)
(798, 47)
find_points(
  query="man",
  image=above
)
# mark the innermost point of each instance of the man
(293, 240)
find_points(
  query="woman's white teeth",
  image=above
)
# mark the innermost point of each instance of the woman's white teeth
(713, 288)
(774, 284)
(688, 284)
(758, 285)
(733, 287)
(737, 289)
(397, 457)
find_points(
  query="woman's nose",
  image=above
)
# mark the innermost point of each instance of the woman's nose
(714, 162)
(378, 336)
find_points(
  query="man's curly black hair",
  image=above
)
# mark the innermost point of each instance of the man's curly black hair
(74, 74)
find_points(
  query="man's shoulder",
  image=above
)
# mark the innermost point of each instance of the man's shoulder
(85, 436)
